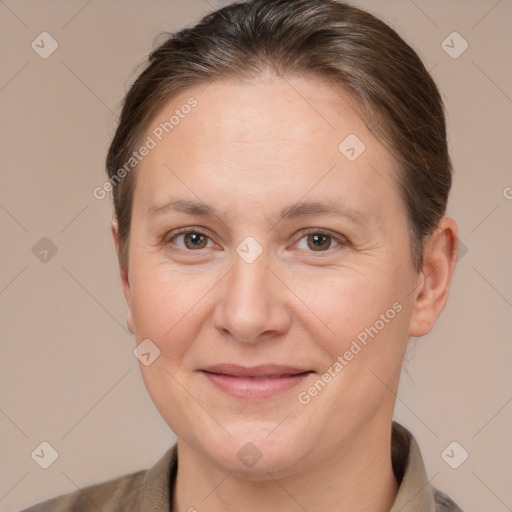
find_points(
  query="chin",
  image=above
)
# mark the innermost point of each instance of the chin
(253, 455)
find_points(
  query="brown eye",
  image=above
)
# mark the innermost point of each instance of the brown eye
(195, 240)
(192, 240)
(319, 242)
(316, 240)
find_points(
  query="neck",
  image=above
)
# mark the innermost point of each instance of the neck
(357, 476)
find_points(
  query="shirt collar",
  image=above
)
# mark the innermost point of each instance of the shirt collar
(415, 493)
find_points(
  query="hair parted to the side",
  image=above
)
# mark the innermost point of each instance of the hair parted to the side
(388, 83)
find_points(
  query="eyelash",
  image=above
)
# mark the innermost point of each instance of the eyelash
(340, 240)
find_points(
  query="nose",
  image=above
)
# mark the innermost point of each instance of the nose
(252, 302)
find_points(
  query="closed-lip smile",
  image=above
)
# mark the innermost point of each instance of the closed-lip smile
(254, 382)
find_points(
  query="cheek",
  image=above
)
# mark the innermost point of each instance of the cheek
(160, 296)
(168, 307)
(154, 309)
(163, 311)
(363, 339)
(341, 304)
(362, 319)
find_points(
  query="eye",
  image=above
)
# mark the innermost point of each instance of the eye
(192, 239)
(316, 240)
(320, 241)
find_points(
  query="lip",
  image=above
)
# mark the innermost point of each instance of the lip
(268, 370)
(257, 382)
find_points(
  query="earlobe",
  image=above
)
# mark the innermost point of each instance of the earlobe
(129, 323)
(433, 286)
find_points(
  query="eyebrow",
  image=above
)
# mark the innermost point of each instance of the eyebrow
(299, 209)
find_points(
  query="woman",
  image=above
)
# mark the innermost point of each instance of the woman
(280, 175)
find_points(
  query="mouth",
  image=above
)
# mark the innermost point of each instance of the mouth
(254, 383)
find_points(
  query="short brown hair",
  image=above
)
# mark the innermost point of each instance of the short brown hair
(394, 93)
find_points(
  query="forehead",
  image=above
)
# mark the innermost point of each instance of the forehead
(273, 138)
(287, 114)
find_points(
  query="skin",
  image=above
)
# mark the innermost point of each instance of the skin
(249, 150)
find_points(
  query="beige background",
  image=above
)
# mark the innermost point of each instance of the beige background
(68, 375)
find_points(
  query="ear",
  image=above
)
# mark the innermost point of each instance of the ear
(433, 285)
(123, 272)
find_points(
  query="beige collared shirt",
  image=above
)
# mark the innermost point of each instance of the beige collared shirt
(150, 490)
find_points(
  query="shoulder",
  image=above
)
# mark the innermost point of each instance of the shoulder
(109, 495)
(146, 489)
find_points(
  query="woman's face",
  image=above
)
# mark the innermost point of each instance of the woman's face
(284, 242)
